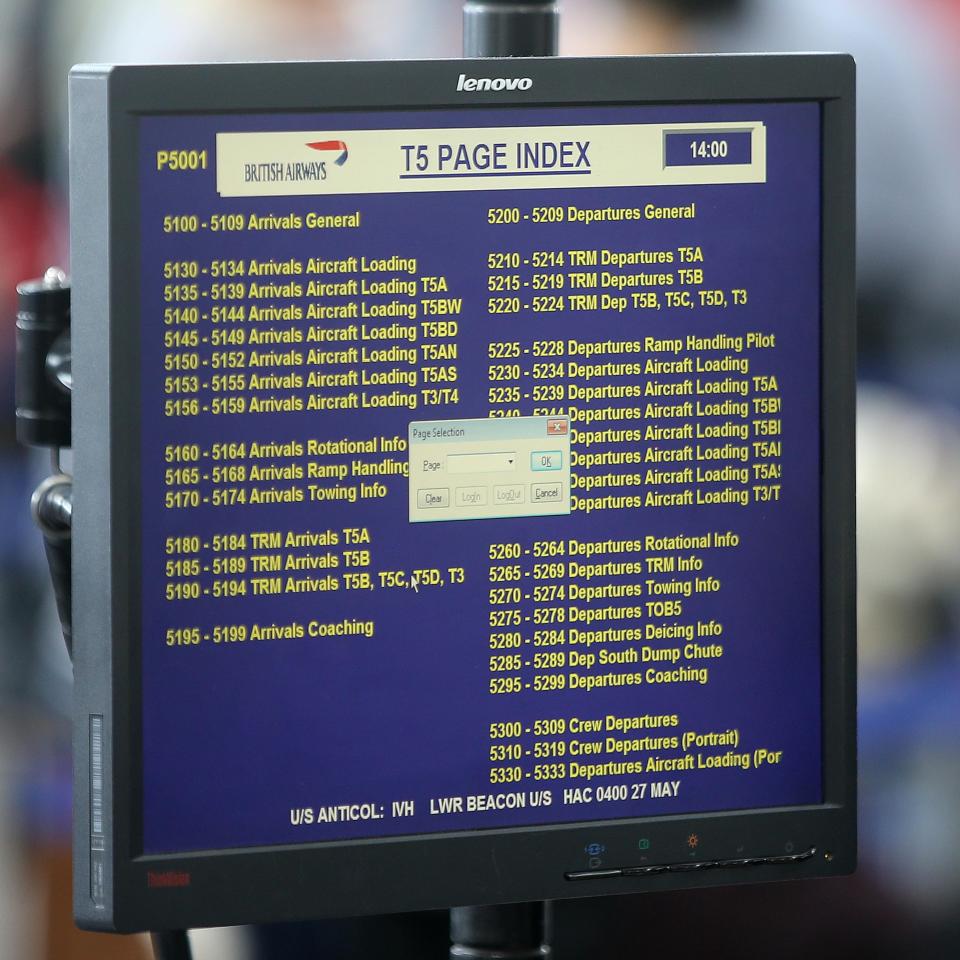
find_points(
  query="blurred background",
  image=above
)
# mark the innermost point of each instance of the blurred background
(905, 900)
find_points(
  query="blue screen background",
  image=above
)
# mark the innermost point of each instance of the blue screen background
(235, 738)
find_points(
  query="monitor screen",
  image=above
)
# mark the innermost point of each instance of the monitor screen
(480, 468)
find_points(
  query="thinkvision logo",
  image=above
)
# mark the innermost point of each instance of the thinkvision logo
(493, 83)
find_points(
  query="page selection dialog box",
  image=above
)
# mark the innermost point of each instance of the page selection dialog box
(487, 469)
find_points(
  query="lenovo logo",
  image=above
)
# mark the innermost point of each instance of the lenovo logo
(493, 83)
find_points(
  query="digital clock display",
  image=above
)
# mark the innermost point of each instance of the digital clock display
(688, 149)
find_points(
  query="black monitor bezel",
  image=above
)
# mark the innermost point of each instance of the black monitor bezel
(293, 882)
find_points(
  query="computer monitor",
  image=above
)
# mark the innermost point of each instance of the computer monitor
(464, 482)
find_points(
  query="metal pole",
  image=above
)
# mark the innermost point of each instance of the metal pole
(510, 28)
(171, 945)
(513, 931)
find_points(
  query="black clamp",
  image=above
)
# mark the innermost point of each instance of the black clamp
(44, 384)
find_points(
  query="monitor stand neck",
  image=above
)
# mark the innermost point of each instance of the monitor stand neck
(171, 945)
(512, 931)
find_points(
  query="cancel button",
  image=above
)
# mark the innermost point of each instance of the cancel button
(546, 492)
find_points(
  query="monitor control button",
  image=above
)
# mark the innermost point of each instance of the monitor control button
(759, 861)
(593, 874)
(793, 857)
(645, 871)
(652, 870)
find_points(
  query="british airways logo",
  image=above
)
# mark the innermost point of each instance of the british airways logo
(330, 146)
(298, 171)
(493, 83)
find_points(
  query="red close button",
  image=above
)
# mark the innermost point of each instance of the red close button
(557, 428)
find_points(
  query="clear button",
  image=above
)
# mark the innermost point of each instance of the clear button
(427, 499)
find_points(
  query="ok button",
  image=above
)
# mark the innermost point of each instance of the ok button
(546, 460)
